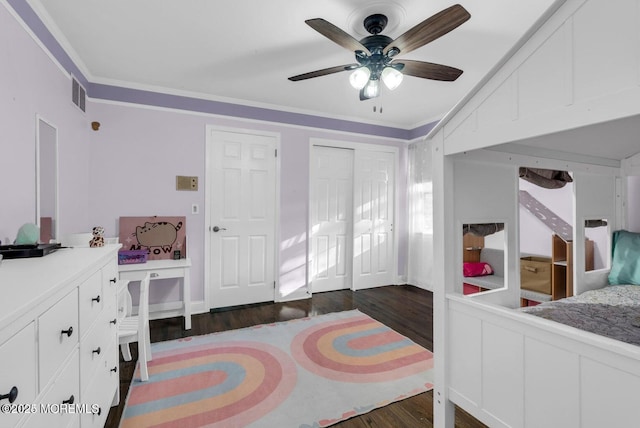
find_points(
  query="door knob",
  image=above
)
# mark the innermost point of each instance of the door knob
(218, 229)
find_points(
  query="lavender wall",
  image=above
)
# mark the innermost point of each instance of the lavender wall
(31, 83)
(138, 151)
(128, 167)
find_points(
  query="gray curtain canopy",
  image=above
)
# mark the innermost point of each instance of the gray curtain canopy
(547, 178)
(595, 223)
(482, 229)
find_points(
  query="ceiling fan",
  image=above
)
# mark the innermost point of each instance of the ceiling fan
(376, 54)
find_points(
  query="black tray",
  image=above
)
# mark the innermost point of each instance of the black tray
(25, 251)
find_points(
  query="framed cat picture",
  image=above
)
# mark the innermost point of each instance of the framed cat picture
(162, 237)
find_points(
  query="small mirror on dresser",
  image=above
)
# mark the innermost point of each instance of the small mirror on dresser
(46, 179)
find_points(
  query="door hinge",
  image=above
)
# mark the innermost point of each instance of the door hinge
(276, 152)
(274, 285)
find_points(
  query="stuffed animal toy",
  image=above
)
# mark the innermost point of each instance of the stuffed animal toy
(98, 237)
(28, 234)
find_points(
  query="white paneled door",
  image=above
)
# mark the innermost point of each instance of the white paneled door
(374, 196)
(352, 208)
(242, 218)
(331, 218)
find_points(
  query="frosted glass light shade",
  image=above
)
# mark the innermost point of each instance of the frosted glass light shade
(360, 77)
(372, 89)
(391, 77)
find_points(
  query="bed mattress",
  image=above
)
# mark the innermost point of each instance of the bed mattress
(612, 311)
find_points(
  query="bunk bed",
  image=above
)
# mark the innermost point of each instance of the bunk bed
(563, 99)
(502, 364)
(612, 311)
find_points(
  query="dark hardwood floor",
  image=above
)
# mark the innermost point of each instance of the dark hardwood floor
(406, 309)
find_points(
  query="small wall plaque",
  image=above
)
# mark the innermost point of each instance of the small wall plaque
(184, 182)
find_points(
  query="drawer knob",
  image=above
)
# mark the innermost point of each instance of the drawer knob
(68, 331)
(70, 400)
(96, 299)
(114, 369)
(12, 395)
(113, 280)
(97, 351)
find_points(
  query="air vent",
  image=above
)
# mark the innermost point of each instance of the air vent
(78, 95)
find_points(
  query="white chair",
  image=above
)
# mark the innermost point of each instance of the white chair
(135, 328)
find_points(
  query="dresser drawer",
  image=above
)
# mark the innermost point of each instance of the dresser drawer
(63, 391)
(101, 390)
(155, 274)
(109, 281)
(18, 370)
(94, 346)
(57, 335)
(91, 301)
(74, 423)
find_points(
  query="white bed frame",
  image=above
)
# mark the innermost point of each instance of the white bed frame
(569, 96)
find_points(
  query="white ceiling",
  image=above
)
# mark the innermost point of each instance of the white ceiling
(242, 51)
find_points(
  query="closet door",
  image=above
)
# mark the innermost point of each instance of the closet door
(331, 218)
(374, 198)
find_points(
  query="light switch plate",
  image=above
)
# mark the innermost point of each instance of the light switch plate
(184, 182)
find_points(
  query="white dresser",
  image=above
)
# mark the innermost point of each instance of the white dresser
(58, 338)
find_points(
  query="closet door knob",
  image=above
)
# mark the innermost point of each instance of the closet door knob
(70, 400)
(113, 321)
(68, 332)
(97, 351)
(113, 280)
(12, 395)
(96, 299)
(114, 369)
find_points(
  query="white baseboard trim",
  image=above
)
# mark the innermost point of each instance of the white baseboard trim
(294, 297)
(425, 285)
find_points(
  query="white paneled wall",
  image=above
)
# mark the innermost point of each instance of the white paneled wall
(421, 216)
(488, 193)
(581, 68)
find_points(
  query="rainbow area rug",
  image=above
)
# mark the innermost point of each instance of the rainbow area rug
(306, 373)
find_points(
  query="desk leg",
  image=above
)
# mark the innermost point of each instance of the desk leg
(186, 296)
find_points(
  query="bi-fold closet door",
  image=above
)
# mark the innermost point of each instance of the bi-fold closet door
(352, 208)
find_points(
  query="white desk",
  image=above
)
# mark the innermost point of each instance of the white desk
(164, 269)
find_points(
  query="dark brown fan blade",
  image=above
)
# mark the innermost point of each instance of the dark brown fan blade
(428, 70)
(430, 29)
(336, 35)
(323, 72)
